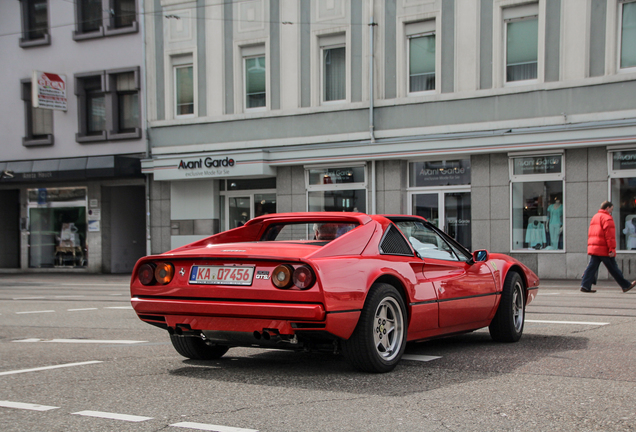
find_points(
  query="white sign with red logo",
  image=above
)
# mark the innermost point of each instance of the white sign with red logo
(49, 90)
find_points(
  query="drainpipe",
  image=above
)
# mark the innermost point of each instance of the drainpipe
(142, 29)
(372, 25)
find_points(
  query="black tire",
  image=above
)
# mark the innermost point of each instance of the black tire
(379, 339)
(507, 325)
(196, 349)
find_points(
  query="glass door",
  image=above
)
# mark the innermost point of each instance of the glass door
(238, 208)
(448, 210)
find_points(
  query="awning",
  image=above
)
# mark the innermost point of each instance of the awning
(84, 168)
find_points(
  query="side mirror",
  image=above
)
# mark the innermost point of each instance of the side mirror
(480, 255)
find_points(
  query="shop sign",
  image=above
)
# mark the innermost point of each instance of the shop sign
(537, 165)
(48, 90)
(206, 167)
(625, 160)
(440, 173)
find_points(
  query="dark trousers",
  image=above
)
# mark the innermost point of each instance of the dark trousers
(589, 276)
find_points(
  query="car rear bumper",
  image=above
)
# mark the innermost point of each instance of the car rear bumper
(244, 317)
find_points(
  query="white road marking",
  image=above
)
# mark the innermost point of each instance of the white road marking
(49, 367)
(112, 416)
(27, 298)
(81, 309)
(568, 322)
(118, 307)
(209, 427)
(26, 406)
(70, 296)
(83, 341)
(422, 358)
(542, 293)
(32, 312)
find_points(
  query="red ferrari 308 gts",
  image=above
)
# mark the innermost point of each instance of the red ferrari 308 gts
(361, 284)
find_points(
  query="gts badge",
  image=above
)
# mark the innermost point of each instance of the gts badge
(262, 274)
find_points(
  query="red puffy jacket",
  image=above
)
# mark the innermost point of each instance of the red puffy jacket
(601, 238)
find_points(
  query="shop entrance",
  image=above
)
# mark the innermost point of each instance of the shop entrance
(10, 231)
(242, 200)
(448, 210)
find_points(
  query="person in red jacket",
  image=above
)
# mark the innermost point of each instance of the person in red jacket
(601, 246)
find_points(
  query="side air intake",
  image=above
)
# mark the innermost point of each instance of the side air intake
(394, 243)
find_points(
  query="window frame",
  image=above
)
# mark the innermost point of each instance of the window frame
(108, 22)
(364, 185)
(174, 91)
(505, 44)
(112, 131)
(245, 94)
(619, 23)
(323, 87)
(25, 40)
(534, 178)
(412, 30)
(29, 139)
(613, 175)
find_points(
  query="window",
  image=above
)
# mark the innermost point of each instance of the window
(623, 187)
(337, 189)
(184, 90)
(628, 35)
(538, 208)
(334, 68)
(38, 121)
(522, 42)
(255, 82)
(421, 56)
(99, 18)
(35, 23)
(108, 105)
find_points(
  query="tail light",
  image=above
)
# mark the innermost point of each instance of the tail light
(285, 276)
(146, 274)
(303, 277)
(164, 273)
(282, 276)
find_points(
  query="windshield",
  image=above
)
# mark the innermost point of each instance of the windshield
(322, 231)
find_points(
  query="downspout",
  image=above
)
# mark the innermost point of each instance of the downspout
(142, 29)
(372, 25)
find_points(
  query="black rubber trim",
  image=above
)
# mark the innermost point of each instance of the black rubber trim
(454, 299)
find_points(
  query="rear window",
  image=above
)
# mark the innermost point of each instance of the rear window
(320, 231)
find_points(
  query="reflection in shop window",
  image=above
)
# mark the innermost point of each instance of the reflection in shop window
(57, 226)
(537, 215)
(624, 197)
(338, 201)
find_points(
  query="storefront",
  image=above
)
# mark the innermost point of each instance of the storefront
(78, 214)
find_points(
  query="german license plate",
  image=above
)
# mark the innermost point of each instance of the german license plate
(221, 275)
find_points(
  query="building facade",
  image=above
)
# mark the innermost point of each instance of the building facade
(505, 122)
(73, 135)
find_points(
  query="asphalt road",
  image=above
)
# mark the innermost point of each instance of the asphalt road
(74, 357)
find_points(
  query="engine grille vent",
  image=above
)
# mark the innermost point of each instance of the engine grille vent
(394, 243)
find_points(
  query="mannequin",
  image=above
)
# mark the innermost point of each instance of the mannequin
(555, 222)
(630, 232)
(535, 235)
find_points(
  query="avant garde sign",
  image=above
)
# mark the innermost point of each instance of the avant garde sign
(48, 90)
(206, 167)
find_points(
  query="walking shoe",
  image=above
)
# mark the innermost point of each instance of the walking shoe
(585, 290)
(630, 287)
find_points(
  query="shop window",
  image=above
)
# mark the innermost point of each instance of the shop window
(334, 68)
(538, 208)
(108, 105)
(35, 23)
(628, 34)
(421, 56)
(38, 122)
(337, 189)
(522, 42)
(57, 227)
(623, 187)
(99, 18)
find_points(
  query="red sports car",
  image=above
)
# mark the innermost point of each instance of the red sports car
(361, 284)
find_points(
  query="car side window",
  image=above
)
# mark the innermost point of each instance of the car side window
(427, 242)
